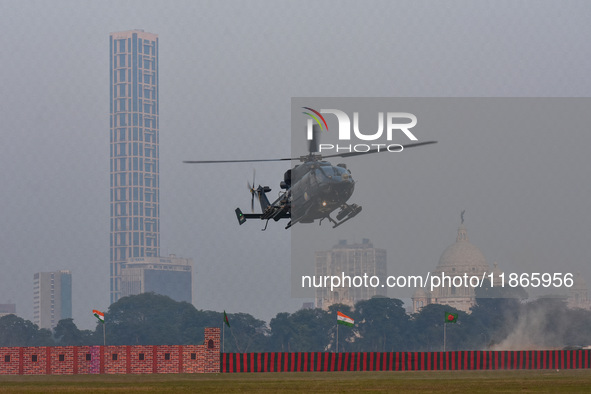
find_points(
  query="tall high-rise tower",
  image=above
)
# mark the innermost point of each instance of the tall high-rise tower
(52, 298)
(350, 260)
(135, 191)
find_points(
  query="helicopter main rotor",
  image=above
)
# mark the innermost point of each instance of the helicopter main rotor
(311, 156)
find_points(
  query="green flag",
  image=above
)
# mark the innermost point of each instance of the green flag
(226, 319)
(451, 317)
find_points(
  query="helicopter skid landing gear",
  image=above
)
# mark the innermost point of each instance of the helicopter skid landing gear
(266, 224)
(347, 212)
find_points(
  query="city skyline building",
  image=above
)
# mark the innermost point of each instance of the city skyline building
(52, 298)
(170, 276)
(350, 260)
(134, 151)
(7, 309)
(578, 294)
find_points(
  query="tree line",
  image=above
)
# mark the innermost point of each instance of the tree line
(381, 324)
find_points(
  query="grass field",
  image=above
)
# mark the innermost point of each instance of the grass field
(549, 381)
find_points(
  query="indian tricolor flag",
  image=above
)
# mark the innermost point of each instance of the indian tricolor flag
(344, 319)
(99, 315)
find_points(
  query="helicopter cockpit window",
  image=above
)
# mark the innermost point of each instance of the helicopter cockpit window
(340, 170)
(327, 171)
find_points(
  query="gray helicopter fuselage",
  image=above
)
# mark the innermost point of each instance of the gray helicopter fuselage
(318, 188)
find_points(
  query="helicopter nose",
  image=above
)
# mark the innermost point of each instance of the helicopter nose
(346, 185)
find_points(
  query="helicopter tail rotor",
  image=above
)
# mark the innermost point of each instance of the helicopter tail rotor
(252, 200)
(252, 190)
(261, 193)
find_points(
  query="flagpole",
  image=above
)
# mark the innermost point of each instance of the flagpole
(444, 336)
(104, 335)
(223, 335)
(337, 337)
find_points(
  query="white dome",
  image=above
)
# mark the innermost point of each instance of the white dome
(462, 257)
(459, 259)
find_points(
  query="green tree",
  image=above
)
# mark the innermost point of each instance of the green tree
(146, 319)
(43, 337)
(577, 332)
(428, 329)
(311, 330)
(193, 323)
(307, 330)
(246, 334)
(67, 334)
(281, 333)
(153, 319)
(383, 325)
(497, 309)
(16, 331)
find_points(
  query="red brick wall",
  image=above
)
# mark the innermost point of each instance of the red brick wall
(115, 366)
(82, 363)
(12, 366)
(190, 364)
(141, 366)
(211, 356)
(167, 366)
(38, 367)
(65, 367)
(206, 359)
(155, 359)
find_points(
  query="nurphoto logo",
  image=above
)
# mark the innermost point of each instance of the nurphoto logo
(395, 122)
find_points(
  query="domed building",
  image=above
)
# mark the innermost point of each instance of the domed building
(459, 259)
(578, 294)
(420, 298)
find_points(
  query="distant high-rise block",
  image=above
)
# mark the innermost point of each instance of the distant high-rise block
(52, 298)
(7, 309)
(135, 190)
(351, 260)
(170, 276)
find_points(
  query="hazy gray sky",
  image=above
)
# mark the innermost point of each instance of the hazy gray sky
(228, 70)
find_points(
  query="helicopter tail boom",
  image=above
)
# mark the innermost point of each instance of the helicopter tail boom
(243, 216)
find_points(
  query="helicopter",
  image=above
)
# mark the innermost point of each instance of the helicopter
(311, 190)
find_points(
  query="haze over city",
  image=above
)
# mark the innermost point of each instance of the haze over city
(227, 75)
